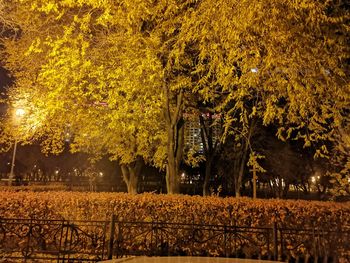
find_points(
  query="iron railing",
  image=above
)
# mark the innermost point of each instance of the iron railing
(176, 239)
(26, 240)
(34, 240)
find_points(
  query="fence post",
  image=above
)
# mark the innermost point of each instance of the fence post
(111, 237)
(225, 240)
(275, 241)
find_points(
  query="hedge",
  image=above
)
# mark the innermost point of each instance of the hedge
(323, 216)
(175, 208)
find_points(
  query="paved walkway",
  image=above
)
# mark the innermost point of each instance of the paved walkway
(185, 260)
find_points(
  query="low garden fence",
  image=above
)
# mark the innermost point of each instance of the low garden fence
(34, 240)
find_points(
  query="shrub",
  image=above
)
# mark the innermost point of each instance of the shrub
(323, 216)
(174, 208)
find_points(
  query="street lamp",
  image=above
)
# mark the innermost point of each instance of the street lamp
(18, 114)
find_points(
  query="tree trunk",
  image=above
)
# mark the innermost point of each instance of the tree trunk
(175, 132)
(280, 189)
(210, 148)
(244, 156)
(131, 174)
(133, 180)
(175, 148)
(239, 175)
(238, 181)
(208, 165)
(238, 187)
(285, 189)
(254, 182)
(172, 180)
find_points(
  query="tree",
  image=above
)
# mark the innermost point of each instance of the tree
(148, 29)
(264, 65)
(289, 58)
(79, 91)
(7, 25)
(211, 144)
(284, 165)
(340, 177)
(235, 155)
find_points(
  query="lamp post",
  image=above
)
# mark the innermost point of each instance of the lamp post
(19, 114)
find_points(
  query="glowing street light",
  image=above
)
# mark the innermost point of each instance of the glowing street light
(19, 114)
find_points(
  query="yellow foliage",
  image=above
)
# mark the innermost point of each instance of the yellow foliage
(284, 62)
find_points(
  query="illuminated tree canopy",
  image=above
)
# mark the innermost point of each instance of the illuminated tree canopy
(117, 76)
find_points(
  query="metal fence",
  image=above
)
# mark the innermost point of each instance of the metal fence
(32, 240)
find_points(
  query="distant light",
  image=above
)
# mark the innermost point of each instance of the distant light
(68, 135)
(101, 174)
(20, 112)
(183, 176)
(313, 179)
(254, 70)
